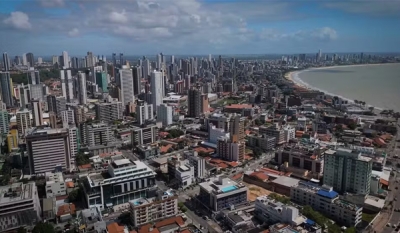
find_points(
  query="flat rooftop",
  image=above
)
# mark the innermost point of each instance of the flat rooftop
(15, 192)
(286, 181)
(221, 185)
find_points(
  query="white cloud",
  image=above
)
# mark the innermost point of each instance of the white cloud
(73, 32)
(18, 20)
(117, 17)
(369, 7)
(318, 34)
(52, 3)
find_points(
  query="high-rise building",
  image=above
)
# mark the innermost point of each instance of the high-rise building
(40, 60)
(74, 142)
(82, 92)
(96, 134)
(109, 112)
(121, 59)
(144, 112)
(137, 82)
(34, 77)
(157, 88)
(35, 92)
(6, 88)
(23, 121)
(65, 60)
(6, 62)
(24, 60)
(101, 81)
(17, 60)
(30, 59)
(56, 104)
(194, 103)
(126, 82)
(164, 114)
(143, 136)
(68, 117)
(236, 128)
(37, 113)
(67, 87)
(231, 150)
(146, 68)
(347, 171)
(47, 148)
(4, 120)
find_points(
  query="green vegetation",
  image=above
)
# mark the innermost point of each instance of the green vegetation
(5, 173)
(74, 195)
(368, 217)
(182, 207)
(42, 227)
(174, 133)
(257, 152)
(82, 159)
(277, 197)
(21, 230)
(324, 221)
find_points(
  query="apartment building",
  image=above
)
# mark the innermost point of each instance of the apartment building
(55, 184)
(198, 163)
(19, 206)
(263, 142)
(271, 211)
(323, 199)
(47, 148)
(181, 171)
(96, 134)
(311, 159)
(124, 180)
(144, 135)
(147, 210)
(222, 193)
(273, 131)
(109, 112)
(231, 150)
(348, 171)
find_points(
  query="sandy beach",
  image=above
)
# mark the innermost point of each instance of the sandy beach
(294, 77)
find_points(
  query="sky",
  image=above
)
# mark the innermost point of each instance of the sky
(144, 27)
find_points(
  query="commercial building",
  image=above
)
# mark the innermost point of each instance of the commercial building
(124, 181)
(6, 89)
(96, 134)
(137, 81)
(222, 193)
(144, 112)
(271, 211)
(23, 121)
(19, 206)
(326, 201)
(157, 88)
(229, 150)
(181, 172)
(147, 210)
(35, 92)
(102, 81)
(289, 132)
(198, 163)
(274, 131)
(347, 171)
(56, 104)
(37, 113)
(55, 184)
(109, 112)
(145, 135)
(164, 114)
(236, 128)
(263, 142)
(6, 62)
(12, 140)
(46, 149)
(74, 142)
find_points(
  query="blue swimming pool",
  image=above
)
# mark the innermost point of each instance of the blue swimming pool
(229, 188)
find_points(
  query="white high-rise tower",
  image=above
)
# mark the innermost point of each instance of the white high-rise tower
(65, 61)
(126, 80)
(82, 95)
(157, 88)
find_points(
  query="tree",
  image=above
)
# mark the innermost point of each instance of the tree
(74, 195)
(133, 114)
(42, 227)
(82, 159)
(352, 126)
(257, 152)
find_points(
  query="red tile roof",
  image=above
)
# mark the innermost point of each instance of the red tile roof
(164, 149)
(66, 209)
(115, 228)
(237, 176)
(178, 220)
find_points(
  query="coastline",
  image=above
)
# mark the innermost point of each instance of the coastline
(293, 77)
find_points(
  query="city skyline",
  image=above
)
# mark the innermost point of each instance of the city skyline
(46, 27)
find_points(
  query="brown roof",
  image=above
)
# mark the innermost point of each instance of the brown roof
(178, 220)
(86, 166)
(237, 176)
(66, 209)
(146, 229)
(259, 175)
(115, 228)
(70, 184)
(239, 106)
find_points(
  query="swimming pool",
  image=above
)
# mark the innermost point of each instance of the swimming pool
(229, 188)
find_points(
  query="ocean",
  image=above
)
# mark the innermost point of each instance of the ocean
(376, 85)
